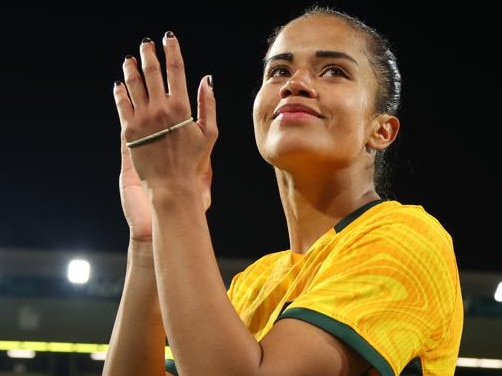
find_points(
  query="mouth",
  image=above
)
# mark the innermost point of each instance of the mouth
(295, 109)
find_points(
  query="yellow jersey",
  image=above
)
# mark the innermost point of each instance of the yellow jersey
(384, 281)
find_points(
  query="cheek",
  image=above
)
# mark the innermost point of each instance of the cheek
(260, 113)
(258, 104)
(349, 129)
(355, 109)
(257, 120)
(256, 109)
(354, 102)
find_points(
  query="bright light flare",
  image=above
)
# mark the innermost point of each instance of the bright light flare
(79, 271)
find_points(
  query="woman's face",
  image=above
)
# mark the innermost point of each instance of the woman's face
(315, 107)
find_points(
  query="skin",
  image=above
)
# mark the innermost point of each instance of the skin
(324, 139)
(323, 164)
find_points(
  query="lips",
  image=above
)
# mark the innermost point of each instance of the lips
(295, 107)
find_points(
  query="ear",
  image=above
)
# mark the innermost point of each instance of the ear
(384, 132)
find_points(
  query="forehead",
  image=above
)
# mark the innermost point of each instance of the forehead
(320, 32)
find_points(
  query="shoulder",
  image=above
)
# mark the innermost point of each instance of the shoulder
(402, 234)
(396, 216)
(260, 269)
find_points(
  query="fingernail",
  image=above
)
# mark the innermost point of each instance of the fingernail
(129, 57)
(169, 34)
(146, 40)
(210, 81)
(117, 83)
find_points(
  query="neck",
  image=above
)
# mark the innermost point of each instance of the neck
(313, 208)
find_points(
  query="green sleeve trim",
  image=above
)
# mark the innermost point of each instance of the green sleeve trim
(171, 367)
(345, 333)
(336, 328)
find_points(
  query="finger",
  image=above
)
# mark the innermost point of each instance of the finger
(125, 112)
(134, 82)
(126, 161)
(175, 66)
(122, 103)
(206, 114)
(152, 70)
(206, 109)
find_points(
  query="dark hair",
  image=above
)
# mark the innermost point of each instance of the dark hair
(384, 64)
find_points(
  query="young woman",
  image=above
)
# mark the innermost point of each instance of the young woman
(368, 286)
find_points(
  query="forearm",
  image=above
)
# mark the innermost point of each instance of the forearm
(205, 333)
(137, 344)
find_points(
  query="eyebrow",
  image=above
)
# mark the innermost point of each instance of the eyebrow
(288, 56)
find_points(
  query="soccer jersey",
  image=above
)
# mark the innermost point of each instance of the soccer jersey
(384, 281)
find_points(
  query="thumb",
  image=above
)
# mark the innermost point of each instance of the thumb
(206, 114)
(206, 109)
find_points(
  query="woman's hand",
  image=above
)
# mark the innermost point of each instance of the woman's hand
(182, 156)
(133, 197)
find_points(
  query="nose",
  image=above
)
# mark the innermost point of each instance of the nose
(300, 84)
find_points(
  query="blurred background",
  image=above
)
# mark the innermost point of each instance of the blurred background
(60, 157)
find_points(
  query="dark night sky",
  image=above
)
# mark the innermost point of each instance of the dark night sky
(60, 134)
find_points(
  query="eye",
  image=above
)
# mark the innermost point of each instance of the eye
(334, 71)
(278, 71)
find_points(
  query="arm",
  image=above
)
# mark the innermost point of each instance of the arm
(138, 339)
(206, 335)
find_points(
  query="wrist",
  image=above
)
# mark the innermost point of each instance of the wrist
(141, 253)
(181, 195)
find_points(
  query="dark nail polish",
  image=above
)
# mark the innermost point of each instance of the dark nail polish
(117, 83)
(210, 81)
(146, 40)
(169, 34)
(129, 57)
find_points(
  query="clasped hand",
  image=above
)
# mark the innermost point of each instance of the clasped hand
(148, 103)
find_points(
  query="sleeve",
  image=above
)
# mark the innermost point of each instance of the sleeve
(387, 289)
